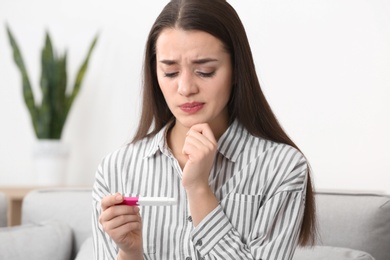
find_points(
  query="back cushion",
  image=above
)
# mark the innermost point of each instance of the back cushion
(356, 221)
(69, 205)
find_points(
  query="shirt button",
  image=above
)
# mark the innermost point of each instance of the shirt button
(188, 258)
(189, 219)
(199, 243)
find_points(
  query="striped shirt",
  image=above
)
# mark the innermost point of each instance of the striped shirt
(260, 186)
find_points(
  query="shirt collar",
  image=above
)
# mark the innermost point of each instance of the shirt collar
(232, 141)
(230, 144)
(159, 141)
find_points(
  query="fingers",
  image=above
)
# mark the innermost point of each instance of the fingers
(200, 148)
(118, 214)
(111, 200)
(122, 223)
(133, 221)
(203, 132)
(200, 138)
(119, 233)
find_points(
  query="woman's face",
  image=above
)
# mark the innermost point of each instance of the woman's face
(194, 72)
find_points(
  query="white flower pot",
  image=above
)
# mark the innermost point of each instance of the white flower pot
(50, 160)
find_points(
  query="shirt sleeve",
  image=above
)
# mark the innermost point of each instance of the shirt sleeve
(103, 246)
(275, 230)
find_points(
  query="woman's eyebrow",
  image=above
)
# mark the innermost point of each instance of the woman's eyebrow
(205, 60)
(168, 62)
(197, 61)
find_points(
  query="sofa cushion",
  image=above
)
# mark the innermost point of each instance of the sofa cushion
(72, 206)
(355, 220)
(46, 241)
(327, 252)
(86, 250)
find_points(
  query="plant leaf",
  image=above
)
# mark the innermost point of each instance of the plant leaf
(79, 77)
(59, 97)
(27, 90)
(48, 84)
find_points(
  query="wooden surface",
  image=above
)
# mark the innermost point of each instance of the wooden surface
(15, 197)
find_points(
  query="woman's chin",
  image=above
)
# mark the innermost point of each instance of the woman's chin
(189, 122)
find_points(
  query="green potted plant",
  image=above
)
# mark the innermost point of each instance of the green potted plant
(49, 116)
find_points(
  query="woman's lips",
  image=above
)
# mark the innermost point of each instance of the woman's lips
(191, 107)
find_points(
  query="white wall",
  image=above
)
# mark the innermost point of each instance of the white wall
(324, 66)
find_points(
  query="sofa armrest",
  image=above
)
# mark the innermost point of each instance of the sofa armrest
(46, 241)
(86, 250)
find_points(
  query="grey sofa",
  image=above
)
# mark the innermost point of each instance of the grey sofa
(351, 226)
(56, 224)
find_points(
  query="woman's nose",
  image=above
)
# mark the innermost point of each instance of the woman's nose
(186, 84)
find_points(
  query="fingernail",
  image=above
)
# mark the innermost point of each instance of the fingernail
(118, 197)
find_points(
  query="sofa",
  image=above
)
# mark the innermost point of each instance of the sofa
(56, 224)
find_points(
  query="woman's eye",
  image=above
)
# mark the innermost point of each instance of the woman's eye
(206, 74)
(170, 74)
(200, 73)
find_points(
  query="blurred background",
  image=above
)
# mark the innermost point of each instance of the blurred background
(324, 67)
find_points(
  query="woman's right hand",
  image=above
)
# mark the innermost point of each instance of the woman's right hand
(123, 224)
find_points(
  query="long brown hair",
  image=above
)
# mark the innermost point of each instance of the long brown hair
(247, 103)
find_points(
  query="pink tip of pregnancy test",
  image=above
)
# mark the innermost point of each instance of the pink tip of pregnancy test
(130, 201)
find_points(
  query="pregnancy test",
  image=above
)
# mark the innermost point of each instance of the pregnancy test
(149, 201)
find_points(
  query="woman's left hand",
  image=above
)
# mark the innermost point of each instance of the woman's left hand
(200, 147)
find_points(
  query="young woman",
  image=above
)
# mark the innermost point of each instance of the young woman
(208, 138)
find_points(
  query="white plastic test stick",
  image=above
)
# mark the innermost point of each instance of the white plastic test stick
(149, 201)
